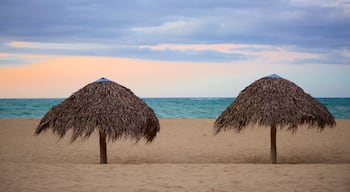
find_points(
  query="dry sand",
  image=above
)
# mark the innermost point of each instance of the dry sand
(185, 156)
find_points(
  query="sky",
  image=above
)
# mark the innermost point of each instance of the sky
(173, 48)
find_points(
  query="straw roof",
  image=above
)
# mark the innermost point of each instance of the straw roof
(113, 109)
(275, 102)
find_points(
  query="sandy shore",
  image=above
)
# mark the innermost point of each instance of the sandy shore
(185, 156)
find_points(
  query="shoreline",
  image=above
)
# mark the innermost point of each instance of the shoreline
(214, 118)
(177, 108)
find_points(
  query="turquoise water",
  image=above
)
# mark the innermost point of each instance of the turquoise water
(163, 107)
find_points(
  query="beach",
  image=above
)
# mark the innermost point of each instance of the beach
(185, 156)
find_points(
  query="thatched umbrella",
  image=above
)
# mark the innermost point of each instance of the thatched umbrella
(111, 108)
(275, 102)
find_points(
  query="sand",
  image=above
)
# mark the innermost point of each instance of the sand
(185, 156)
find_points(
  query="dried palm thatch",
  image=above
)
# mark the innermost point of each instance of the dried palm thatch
(275, 102)
(104, 105)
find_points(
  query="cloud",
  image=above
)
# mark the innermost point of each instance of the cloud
(69, 46)
(319, 3)
(10, 59)
(262, 53)
(179, 27)
(225, 48)
(225, 53)
(290, 30)
(133, 22)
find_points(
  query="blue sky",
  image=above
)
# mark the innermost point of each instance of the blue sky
(305, 39)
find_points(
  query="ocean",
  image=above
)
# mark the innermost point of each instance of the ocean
(163, 107)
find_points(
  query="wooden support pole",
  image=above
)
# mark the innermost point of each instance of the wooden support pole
(273, 145)
(103, 148)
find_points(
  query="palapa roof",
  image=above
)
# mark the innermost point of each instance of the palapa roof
(274, 101)
(105, 105)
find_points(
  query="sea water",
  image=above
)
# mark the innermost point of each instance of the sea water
(163, 107)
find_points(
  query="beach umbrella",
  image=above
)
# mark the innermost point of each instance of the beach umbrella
(104, 105)
(274, 102)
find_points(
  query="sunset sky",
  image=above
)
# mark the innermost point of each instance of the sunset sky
(174, 48)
